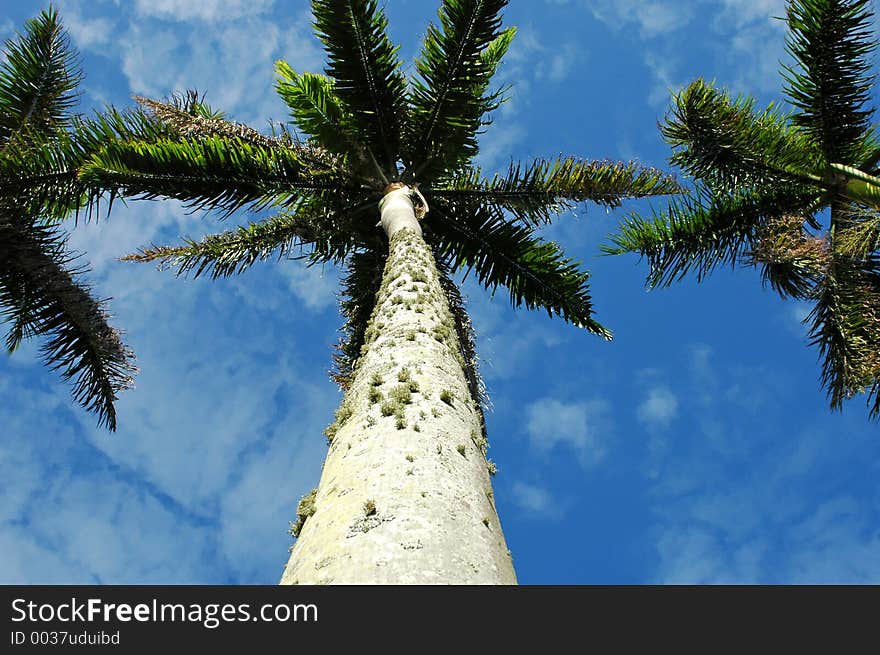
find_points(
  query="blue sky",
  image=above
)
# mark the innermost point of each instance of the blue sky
(695, 448)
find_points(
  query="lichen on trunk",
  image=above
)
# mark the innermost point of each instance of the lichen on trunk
(405, 495)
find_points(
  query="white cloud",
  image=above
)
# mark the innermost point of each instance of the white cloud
(579, 426)
(652, 17)
(25, 561)
(793, 317)
(232, 62)
(559, 63)
(742, 12)
(702, 371)
(535, 501)
(658, 408)
(68, 516)
(666, 81)
(532, 57)
(752, 500)
(836, 545)
(207, 10)
(761, 46)
(130, 227)
(188, 404)
(740, 41)
(228, 435)
(497, 145)
(315, 285)
(256, 508)
(508, 339)
(217, 443)
(87, 32)
(214, 445)
(698, 556)
(528, 67)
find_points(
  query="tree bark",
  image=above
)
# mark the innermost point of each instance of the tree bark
(405, 495)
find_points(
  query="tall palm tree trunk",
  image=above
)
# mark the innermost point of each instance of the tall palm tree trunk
(405, 495)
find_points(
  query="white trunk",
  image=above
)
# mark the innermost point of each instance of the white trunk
(405, 495)
(397, 213)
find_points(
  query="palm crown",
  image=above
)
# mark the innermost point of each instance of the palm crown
(765, 179)
(368, 126)
(41, 287)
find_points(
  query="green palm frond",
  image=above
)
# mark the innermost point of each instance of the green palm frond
(318, 110)
(38, 82)
(830, 41)
(853, 173)
(42, 295)
(870, 158)
(873, 398)
(455, 66)
(364, 65)
(43, 178)
(212, 173)
(845, 325)
(726, 143)
(698, 234)
(360, 287)
(193, 121)
(315, 231)
(232, 252)
(793, 261)
(186, 118)
(536, 192)
(857, 236)
(189, 102)
(474, 236)
(42, 144)
(497, 48)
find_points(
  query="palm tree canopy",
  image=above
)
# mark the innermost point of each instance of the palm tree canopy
(764, 179)
(41, 287)
(367, 126)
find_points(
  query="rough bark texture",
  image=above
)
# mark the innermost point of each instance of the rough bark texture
(405, 495)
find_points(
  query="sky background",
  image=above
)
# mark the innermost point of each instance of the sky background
(695, 448)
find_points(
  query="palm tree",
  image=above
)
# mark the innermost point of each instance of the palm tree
(405, 494)
(795, 194)
(41, 287)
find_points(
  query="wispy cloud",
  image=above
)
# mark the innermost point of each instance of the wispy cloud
(70, 516)
(211, 449)
(755, 500)
(87, 32)
(535, 501)
(744, 52)
(229, 56)
(205, 10)
(580, 426)
(659, 407)
(699, 556)
(530, 63)
(214, 444)
(652, 18)
(315, 285)
(231, 63)
(834, 544)
(837, 544)
(793, 317)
